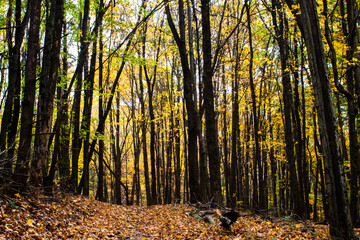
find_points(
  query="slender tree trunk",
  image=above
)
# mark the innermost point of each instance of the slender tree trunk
(150, 89)
(321, 171)
(10, 116)
(246, 195)
(86, 119)
(234, 132)
(144, 140)
(100, 186)
(169, 157)
(302, 172)
(225, 138)
(273, 164)
(256, 164)
(281, 33)
(177, 151)
(63, 136)
(350, 32)
(76, 140)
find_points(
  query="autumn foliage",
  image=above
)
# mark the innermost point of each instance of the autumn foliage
(249, 105)
(66, 216)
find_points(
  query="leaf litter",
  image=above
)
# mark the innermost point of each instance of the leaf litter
(65, 216)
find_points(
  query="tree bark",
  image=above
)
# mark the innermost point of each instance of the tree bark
(76, 140)
(210, 115)
(100, 186)
(48, 80)
(191, 109)
(339, 219)
(350, 32)
(10, 117)
(235, 148)
(256, 161)
(27, 106)
(281, 37)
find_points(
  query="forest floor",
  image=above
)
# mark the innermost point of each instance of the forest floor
(65, 216)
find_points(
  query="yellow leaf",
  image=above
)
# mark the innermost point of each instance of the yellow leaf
(29, 221)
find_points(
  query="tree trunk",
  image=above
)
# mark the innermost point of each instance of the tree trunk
(235, 131)
(76, 140)
(63, 136)
(48, 80)
(86, 119)
(11, 110)
(350, 32)
(339, 219)
(210, 116)
(191, 109)
(256, 161)
(100, 186)
(27, 106)
(144, 140)
(281, 33)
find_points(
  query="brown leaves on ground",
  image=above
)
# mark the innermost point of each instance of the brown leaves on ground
(63, 217)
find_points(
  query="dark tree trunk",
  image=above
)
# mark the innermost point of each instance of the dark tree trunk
(76, 140)
(115, 146)
(10, 117)
(144, 140)
(191, 109)
(281, 33)
(319, 164)
(225, 138)
(210, 116)
(169, 158)
(138, 144)
(302, 171)
(48, 80)
(27, 107)
(150, 90)
(86, 119)
(339, 218)
(256, 161)
(152, 143)
(273, 164)
(177, 152)
(246, 195)
(350, 32)
(234, 133)
(100, 185)
(62, 141)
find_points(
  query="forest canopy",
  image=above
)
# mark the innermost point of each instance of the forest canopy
(247, 104)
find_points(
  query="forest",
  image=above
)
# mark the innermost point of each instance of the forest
(252, 105)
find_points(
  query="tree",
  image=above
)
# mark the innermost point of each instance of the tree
(100, 188)
(10, 117)
(76, 140)
(256, 160)
(48, 80)
(210, 116)
(192, 114)
(339, 218)
(281, 36)
(27, 106)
